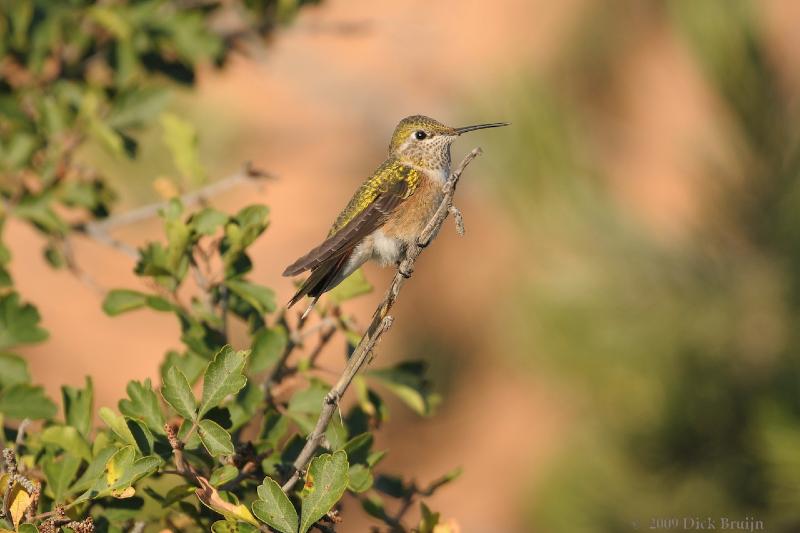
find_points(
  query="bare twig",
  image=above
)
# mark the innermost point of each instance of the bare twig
(99, 231)
(381, 321)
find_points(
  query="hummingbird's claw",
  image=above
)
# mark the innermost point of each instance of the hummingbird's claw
(405, 270)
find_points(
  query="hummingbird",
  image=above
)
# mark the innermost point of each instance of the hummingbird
(388, 211)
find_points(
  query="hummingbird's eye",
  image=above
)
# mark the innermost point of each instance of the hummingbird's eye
(419, 134)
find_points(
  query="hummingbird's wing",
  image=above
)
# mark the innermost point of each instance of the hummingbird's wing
(342, 242)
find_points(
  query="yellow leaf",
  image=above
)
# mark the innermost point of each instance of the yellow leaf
(3, 484)
(127, 492)
(211, 498)
(20, 500)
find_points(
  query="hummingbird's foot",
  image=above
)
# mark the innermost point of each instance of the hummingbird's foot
(405, 270)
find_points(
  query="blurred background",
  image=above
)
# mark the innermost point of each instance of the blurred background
(615, 338)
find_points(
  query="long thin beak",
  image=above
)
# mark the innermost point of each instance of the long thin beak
(465, 129)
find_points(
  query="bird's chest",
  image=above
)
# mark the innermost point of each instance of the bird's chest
(412, 215)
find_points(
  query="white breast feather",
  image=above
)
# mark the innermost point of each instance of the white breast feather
(385, 250)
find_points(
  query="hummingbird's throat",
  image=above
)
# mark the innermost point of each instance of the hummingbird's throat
(432, 156)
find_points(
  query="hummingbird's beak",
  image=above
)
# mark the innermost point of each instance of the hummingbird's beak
(465, 129)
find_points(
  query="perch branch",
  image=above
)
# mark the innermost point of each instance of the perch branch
(381, 321)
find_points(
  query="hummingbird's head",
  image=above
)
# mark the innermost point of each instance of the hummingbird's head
(425, 143)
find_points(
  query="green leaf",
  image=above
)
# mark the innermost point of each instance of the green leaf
(273, 427)
(360, 478)
(222, 475)
(69, 439)
(358, 448)
(22, 401)
(142, 435)
(19, 323)
(180, 137)
(143, 405)
(118, 425)
(27, 528)
(336, 433)
(78, 406)
(260, 297)
(118, 469)
(305, 405)
(408, 382)
(207, 221)
(191, 364)
(228, 526)
(120, 301)
(274, 508)
(268, 346)
(13, 370)
(223, 377)
(60, 473)
(428, 519)
(354, 285)
(215, 439)
(95, 469)
(445, 479)
(138, 106)
(178, 394)
(325, 483)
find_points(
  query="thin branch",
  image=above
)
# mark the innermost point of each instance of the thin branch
(381, 321)
(100, 230)
(331, 400)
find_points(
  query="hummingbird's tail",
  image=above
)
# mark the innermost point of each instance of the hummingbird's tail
(320, 280)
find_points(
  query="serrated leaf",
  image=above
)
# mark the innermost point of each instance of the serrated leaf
(69, 439)
(268, 345)
(143, 405)
(215, 439)
(19, 322)
(274, 508)
(78, 406)
(26, 401)
(326, 481)
(13, 370)
(178, 394)
(117, 424)
(223, 377)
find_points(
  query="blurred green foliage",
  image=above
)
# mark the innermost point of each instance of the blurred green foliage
(685, 354)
